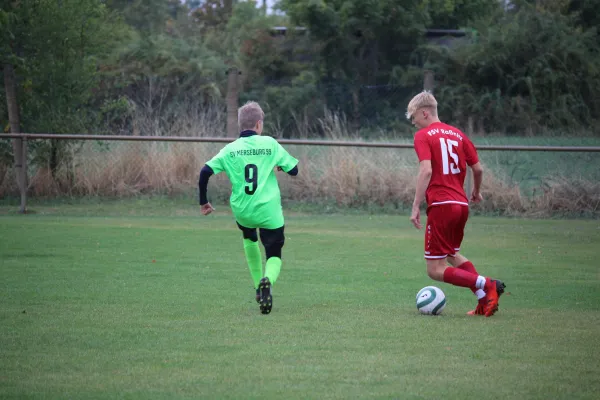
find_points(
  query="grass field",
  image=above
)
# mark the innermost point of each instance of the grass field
(136, 301)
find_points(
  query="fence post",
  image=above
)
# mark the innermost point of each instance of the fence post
(428, 80)
(20, 165)
(19, 153)
(232, 101)
(23, 185)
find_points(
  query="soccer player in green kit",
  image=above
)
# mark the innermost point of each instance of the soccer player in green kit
(250, 163)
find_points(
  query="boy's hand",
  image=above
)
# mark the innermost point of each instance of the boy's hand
(206, 209)
(278, 169)
(476, 197)
(415, 217)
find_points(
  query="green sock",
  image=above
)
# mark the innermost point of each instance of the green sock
(273, 268)
(254, 260)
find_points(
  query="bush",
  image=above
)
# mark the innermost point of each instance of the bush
(522, 72)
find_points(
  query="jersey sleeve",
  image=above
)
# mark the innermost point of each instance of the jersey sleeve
(470, 152)
(217, 163)
(284, 159)
(422, 147)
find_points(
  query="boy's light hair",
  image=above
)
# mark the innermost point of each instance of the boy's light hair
(423, 100)
(248, 115)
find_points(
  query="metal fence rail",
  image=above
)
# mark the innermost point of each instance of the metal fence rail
(20, 141)
(303, 142)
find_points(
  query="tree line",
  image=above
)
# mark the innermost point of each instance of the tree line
(89, 66)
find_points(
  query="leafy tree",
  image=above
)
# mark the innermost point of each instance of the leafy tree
(585, 13)
(252, 54)
(147, 16)
(358, 39)
(162, 67)
(356, 44)
(456, 14)
(506, 83)
(212, 14)
(178, 67)
(55, 48)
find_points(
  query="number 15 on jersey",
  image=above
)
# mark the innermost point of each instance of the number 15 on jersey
(449, 157)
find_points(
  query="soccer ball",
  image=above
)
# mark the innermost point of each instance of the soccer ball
(431, 300)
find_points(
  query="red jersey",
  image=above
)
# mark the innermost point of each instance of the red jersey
(450, 151)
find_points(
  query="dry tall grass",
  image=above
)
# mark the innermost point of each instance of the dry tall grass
(348, 177)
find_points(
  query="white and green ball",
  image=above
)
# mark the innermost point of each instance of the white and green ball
(431, 300)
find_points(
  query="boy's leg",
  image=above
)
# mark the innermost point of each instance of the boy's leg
(439, 271)
(443, 237)
(253, 256)
(468, 266)
(461, 262)
(273, 240)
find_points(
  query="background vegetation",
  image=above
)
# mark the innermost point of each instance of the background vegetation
(95, 66)
(321, 68)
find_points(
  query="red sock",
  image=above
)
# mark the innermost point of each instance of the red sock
(459, 277)
(469, 267)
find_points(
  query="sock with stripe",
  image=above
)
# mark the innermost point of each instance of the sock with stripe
(254, 260)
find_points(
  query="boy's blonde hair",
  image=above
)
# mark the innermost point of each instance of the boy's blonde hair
(423, 100)
(248, 115)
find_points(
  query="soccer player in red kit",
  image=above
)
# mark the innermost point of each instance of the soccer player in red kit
(444, 153)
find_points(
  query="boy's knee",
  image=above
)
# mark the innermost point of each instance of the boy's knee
(251, 235)
(248, 233)
(432, 274)
(435, 270)
(273, 251)
(273, 248)
(273, 240)
(457, 260)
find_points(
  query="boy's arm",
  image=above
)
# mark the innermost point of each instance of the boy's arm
(285, 162)
(422, 183)
(473, 162)
(477, 179)
(424, 154)
(205, 174)
(292, 172)
(213, 166)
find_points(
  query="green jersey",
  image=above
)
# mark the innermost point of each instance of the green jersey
(249, 163)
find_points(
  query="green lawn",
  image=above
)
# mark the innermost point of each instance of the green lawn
(100, 301)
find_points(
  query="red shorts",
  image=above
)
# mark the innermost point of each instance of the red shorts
(445, 230)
